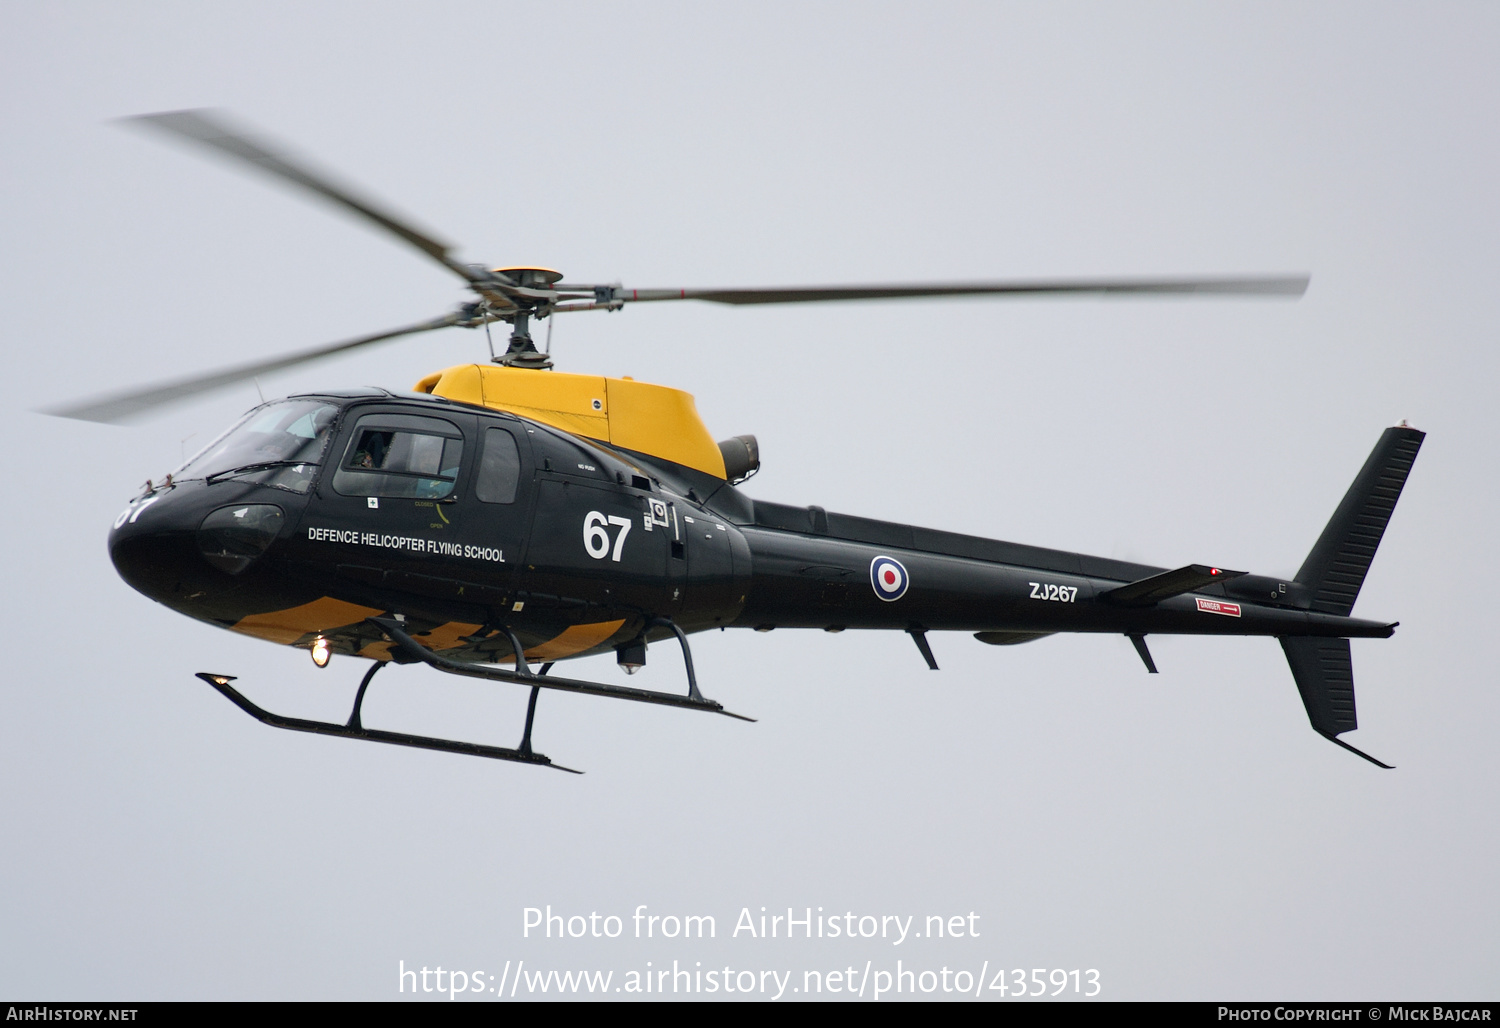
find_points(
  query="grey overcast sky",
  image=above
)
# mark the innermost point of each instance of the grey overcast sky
(1187, 835)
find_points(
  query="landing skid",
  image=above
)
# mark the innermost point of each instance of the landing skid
(354, 730)
(522, 675)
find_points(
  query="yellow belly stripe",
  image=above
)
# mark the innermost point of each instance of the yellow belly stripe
(380, 651)
(287, 626)
(574, 640)
(325, 615)
(445, 637)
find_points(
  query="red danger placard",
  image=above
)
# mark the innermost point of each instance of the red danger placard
(1219, 607)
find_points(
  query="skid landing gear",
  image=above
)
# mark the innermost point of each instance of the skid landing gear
(522, 675)
(355, 730)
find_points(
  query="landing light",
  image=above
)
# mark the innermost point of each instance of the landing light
(321, 653)
(632, 656)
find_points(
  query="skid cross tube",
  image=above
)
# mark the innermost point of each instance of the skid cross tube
(359, 697)
(536, 691)
(687, 657)
(530, 718)
(693, 701)
(352, 731)
(522, 668)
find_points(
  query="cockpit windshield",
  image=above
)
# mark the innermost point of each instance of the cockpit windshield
(280, 444)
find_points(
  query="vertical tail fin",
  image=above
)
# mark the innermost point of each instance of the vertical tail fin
(1333, 574)
(1336, 568)
(1325, 678)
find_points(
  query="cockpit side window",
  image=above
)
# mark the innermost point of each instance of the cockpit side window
(401, 455)
(499, 467)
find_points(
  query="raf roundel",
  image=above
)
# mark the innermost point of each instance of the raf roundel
(888, 578)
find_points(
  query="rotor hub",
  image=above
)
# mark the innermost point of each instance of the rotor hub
(532, 278)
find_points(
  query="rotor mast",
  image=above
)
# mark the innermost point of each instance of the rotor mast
(531, 296)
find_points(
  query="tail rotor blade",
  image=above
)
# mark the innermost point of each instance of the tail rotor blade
(120, 407)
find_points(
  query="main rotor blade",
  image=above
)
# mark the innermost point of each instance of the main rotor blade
(209, 128)
(1268, 285)
(118, 407)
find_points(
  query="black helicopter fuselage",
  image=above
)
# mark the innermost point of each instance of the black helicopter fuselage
(502, 515)
(577, 548)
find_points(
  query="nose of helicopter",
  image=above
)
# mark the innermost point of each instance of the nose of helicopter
(184, 547)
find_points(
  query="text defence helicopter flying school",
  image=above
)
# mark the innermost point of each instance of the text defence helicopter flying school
(505, 514)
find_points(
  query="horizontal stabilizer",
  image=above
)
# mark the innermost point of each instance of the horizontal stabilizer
(1150, 591)
(1325, 678)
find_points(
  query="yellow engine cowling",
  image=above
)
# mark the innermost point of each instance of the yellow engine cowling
(655, 420)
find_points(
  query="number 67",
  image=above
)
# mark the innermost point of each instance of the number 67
(596, 537)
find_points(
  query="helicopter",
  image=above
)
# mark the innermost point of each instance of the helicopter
(502, 514)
